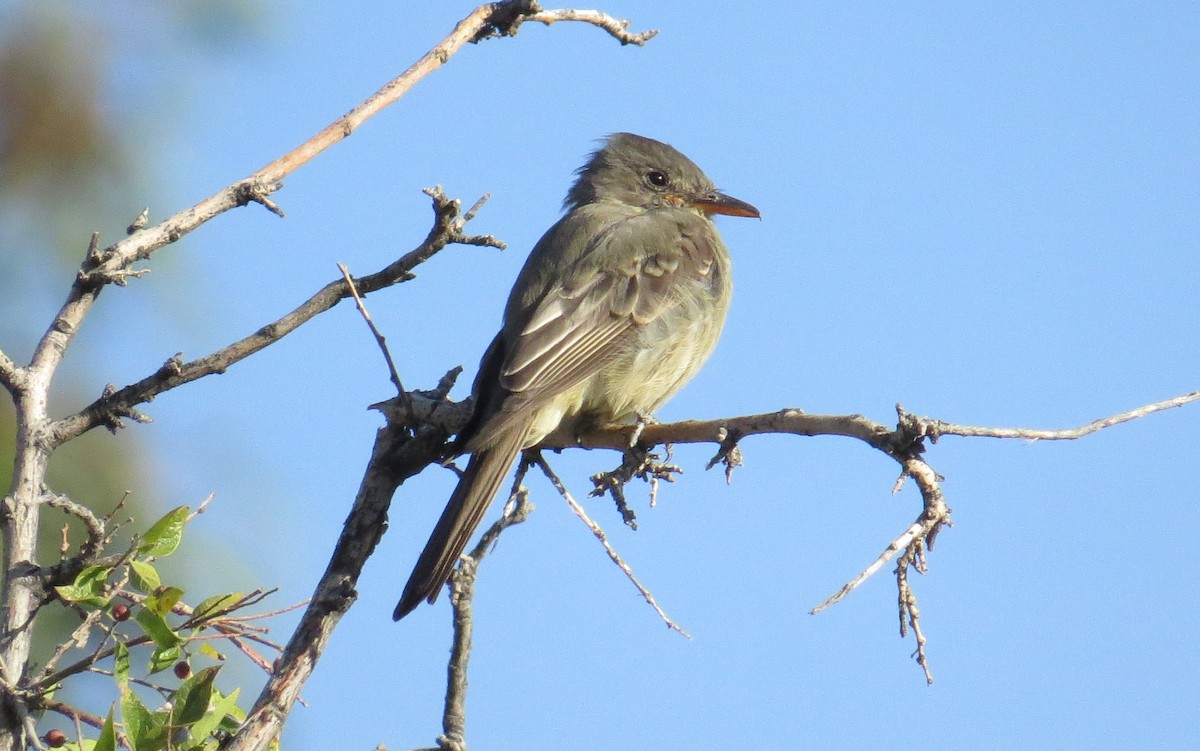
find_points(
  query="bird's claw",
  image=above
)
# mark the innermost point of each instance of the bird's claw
(638, 462)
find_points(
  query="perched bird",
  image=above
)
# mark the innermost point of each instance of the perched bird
(617, 307)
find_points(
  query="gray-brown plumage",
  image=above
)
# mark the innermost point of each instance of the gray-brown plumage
(617, 307)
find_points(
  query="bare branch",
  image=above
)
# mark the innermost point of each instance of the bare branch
(603, 538)
(402, 449)
(67, 710)
(95, 530)
(910, 615)
(202, 507)
(934, 515)
(139, 221)
(78, 640)
(266, 180)
(113, 264)
(12, 377)
(380, 339)
(462, 594)
(399, 453)
(618, 27)
(904, 443)
(938, 428)
(116, 404)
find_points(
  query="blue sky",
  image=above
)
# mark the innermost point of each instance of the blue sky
(988, 214)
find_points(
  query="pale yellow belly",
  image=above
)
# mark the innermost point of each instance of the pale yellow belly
(635, 383)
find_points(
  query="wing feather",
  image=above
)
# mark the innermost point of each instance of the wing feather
(622, 278)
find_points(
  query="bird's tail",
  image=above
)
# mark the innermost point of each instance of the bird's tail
(485, 471)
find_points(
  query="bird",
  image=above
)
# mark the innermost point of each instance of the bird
(617, 307)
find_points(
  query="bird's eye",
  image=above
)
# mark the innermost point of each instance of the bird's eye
(657, 179)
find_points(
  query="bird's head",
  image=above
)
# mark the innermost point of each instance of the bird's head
(639, 171)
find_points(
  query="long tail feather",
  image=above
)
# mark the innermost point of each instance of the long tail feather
(485, 472)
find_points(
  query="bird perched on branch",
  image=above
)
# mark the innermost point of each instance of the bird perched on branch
(617, 307)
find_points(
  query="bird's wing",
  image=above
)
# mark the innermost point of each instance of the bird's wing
(625, 278)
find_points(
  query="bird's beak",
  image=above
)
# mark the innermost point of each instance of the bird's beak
(717, 202)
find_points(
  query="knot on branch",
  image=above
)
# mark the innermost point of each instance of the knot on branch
(256, 191)
(448, 742)
(139, 221)
(449, 226)
(338, 596)
(908, 441)
(94, 271)
(413, 410)
(506, 19)
(111, 417)
(97, 535)
(418, 430)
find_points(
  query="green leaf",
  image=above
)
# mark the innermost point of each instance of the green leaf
(121, 664)
(108, 735)
(190, 702)
(97, 603)
(222, 707)
(208, 650)
(157, 629)
(162, 538)
(146, 730)
(145, 576)
(234, 717)
(87, 587)
(164, 599)
(92, 578)
(216, 604)
(163, 658)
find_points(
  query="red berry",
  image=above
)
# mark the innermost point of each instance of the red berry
(55, 738)
(120, 612)
(182, 669)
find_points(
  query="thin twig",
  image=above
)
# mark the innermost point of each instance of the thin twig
(910, 614)
(221, 609)
(462, 595)
(47, 678)
(379, 337)
(95, 530)
(68, 711)
(914, 531)
(267, 666)
(202, 507)
(268, 614)
(174, 373)
(618, 27)
(78, 640)
(938, 428)
(603, 538)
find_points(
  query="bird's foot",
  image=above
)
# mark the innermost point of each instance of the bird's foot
(638, 462)
(643, 419)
